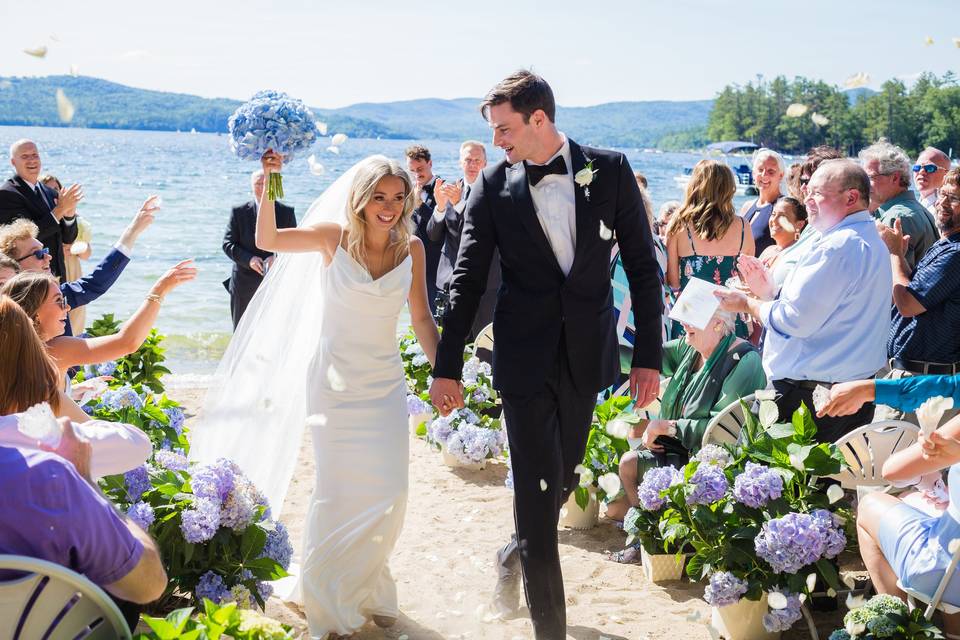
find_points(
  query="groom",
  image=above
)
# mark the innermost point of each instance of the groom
(551, 210)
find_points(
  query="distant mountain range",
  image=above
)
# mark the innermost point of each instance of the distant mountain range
(107, 105)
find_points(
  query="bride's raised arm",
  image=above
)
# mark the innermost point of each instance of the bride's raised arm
(420, 317)
(317, 237)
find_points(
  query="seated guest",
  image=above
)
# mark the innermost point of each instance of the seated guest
(888, 167)
(667, 209)
(708, 370)
(250, 263)
(768, 172)
(786, 224)
(928, 174)
(29, 377)
(74, 252)
(52, 510)
(923, 336)
(40, 296)
(420, 166)
(829, 323)
(18, 240)
(24, 196)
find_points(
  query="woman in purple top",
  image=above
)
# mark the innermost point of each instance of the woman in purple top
(768, 173)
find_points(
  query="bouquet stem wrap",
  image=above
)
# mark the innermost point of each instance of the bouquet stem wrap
(275, 186)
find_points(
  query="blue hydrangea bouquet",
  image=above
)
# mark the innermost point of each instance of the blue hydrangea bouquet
(272, 120)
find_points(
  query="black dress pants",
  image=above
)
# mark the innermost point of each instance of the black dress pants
(829, 429)
(547, 431)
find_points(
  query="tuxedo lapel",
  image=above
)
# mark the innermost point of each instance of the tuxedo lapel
(584, 217)
(520, 193)
(30, 196)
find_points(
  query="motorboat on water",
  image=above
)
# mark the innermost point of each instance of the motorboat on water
(736, 154)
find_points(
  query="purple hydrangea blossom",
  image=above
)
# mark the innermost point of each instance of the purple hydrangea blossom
(757, 485)
(176, 417)
(211, 587)
(832, 526)
(107, 368)
(215, 481)
(416, 406)
(472, 443)
(200, 523)
(278, 547)
(724, 589)
(440, 428)
(265, 589)
(138, 483)
(709, 485)
(654, 482)
(117, 399)
(792, 542)
(714, 454)
(142, 514)
(782, 619)
(481, 394)
(473, 369)
(171, 460)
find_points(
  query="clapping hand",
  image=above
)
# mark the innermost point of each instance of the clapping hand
(755, 275)
(67, 203)
(893, 237)
(446, 395)
(141, 220)
(440, 194)
(454, 192)
(179, 273)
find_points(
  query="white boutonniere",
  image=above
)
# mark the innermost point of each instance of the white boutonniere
(584, 178)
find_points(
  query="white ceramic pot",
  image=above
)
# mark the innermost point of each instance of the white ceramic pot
(417, 419)
(742, 621)
(662, 567)
(453, 461)
(573, 517)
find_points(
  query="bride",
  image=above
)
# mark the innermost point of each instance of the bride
(318, 346)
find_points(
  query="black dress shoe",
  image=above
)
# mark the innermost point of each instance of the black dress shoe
(506, 595)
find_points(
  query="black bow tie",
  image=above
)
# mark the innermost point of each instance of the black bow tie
(537, 172)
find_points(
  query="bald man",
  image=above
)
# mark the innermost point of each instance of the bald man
(928, 174)
(23, 196)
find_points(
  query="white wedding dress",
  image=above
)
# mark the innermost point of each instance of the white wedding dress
(356, 407)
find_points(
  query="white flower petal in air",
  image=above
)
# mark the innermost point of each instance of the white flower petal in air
(619, 429)
(928, 41)
(335, 379)
(768, 413)
(765, 394)
(786, 225)
(54, 37)
(389, 510)
(37, 52)
(333, 149)
(338, 139)
(954, 545)
(39, 424)
(543, 484)
(857, 80)
(796, 110)
(776, 600)
(605, 233)
(811, 582)
(317, 420)
(322, 128)
(855, 602)
(65, 108)
(315, 167)
(819, 120)
(74, 70)
(610, 483)
(377, 539)
(834, 493)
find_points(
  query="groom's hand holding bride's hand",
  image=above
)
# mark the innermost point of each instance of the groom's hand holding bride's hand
(644, 385)
(446, 395)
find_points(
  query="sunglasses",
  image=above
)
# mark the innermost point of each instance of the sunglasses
(60, 301)
(927, 168)
(39, 254)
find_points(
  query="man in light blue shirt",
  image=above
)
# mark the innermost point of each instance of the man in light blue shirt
(832, 317)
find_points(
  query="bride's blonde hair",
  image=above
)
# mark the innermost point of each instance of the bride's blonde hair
(369, 175)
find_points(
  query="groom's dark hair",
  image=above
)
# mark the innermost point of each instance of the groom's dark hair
(525, 91)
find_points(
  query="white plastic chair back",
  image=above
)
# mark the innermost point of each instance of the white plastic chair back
(725, 427)
(53, 602)
(866, 449)
(484, 339)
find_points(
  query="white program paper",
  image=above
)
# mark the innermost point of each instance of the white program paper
(696, 303)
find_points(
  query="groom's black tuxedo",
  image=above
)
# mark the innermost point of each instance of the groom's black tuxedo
(555, 339)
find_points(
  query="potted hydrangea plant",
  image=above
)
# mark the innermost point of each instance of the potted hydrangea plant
(885, 616)
(762, 527)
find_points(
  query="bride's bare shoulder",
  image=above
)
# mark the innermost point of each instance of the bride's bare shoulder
(328, 234)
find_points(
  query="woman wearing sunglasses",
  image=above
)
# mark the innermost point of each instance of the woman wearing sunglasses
(928, 174)
(40, 296)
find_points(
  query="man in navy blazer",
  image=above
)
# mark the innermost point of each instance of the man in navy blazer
(19, 242)
(23, 196)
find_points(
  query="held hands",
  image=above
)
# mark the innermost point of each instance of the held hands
(644, 385)
(272, 162)
(178, 274)
(846, 398)
(755, 275)
(893, 237)
(446, 395)
(256, 263)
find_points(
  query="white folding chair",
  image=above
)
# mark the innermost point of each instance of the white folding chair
(725, 427)
(935, 601)
(484, 339)
(53, 602)
(866, 449)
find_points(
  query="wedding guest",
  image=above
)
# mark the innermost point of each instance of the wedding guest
(888, 167)
(23, 196)
(721, 236)
(708, 369)
(53, 510)
(74, 252)
(923, 337)
(29, 377)
(8, 268)
(446, 226)
(829, 322)
(667, 209)
(40, 296)
(420, 166)
(250, 263)
(660, 249)
(928, 174)
(787, 222)
(641, 179)
(768, 174)
(18, 240)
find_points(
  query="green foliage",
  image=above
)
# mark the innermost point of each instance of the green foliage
(604, 449)
(144, 367)
(214, 622)
(926, 114)
(886, 617)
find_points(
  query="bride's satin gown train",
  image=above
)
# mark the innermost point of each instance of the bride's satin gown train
(356, 407)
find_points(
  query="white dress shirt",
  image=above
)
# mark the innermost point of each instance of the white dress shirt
(930, 201)
(554, 200)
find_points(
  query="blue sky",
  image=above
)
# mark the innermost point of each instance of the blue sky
(336, 53)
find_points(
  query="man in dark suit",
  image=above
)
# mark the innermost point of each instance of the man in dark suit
(420, 167)
(551, 209)
(23, 196)
(446, 226)
(250, 264)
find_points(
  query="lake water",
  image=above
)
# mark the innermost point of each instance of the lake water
(200, 180)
